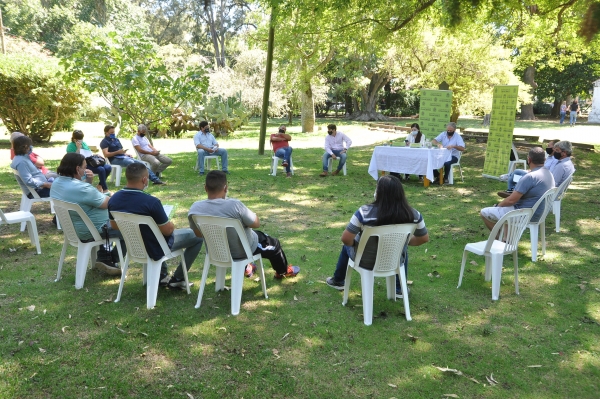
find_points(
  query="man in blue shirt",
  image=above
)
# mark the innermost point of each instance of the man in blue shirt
(452, 141)
(113, 150)
(206, 144)
(564, 167)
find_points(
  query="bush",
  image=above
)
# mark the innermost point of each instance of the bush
(400, 103)
(542, 108)
(35, 100)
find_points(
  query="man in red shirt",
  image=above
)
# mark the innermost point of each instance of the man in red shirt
(281, 147)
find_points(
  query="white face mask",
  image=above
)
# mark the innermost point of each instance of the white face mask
(414, 132)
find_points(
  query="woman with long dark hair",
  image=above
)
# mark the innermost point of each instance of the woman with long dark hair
(390, 207)
(79, 146)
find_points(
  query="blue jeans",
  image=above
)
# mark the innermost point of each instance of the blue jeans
(511, 183)
(339, 154)
(285, 153)
(124, 162)
(103, 172)
(447, 165)
(573, 117)
(562, 117)
(184, 238)
(342, 265)
(220, 152)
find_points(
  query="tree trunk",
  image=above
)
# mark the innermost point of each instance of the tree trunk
(369, 96)
(529, 79)
(555, 108)
(308, 109)
(455, 113)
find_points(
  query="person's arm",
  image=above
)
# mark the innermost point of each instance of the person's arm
(348, 238)
(197, 232)
(255, 224)
(328, 146)
(28, 179)
(416, 241)
(38, 162)
(512, 199)
(104, 204)
(281, 137)
(198, 144)
(167, 229)
(108, 154)
(348, 142)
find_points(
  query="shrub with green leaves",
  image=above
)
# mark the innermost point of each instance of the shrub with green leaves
(35, 99)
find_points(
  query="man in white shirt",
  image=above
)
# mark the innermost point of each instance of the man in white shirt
(158, 162)
(334, 148)
(206, 144)
(452, 141)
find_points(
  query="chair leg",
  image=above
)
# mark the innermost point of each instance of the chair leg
(220, 278)
(62, 259)
(451, 175)
(237, 283)
(347, 282)
(185, 274)
(533, 232)
(262, 277)
(26, 207)
(274, 164)
(496, 261)
(556, 211)
(124, 269)
(405, 293)
(462, 269)
(516, 266)
(33, 234)
(487, 275)
(203, 282)
(367, 281)
(390, 285)
(152, 286)
(84, 252)
(543, 236)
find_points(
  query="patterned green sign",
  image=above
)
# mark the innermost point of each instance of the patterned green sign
(434, 111)
(502, 124)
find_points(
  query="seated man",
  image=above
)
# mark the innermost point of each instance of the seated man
(158, 162)
(510, 178)
(113, 150)
(528, 191)
(334, 148)
(564, 167)
(132, 199)
(69, 187)
(31, 176)
(281, 148)
(206, 144)
(218, 204)
(37, 160)
(451, 141)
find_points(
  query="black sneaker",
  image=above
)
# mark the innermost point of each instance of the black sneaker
(158, 182)
(399, 293)
(175, 283)
(108, 267)
(335, 284)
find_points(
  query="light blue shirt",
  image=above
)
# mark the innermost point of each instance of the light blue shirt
(445, 141)
(87, 197)
(550, 163)
(562, 170)
(30, 174)
(205, 139)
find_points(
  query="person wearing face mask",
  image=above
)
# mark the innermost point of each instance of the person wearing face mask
(35, 158)
(336, 146)
(30, 175)
(158, 162)
(206, 144)
(79, 146)
(452, 141)
(564, 167)
(281, 148)
(133, 199)
(415, 137)
(73, 185)
(113, 150)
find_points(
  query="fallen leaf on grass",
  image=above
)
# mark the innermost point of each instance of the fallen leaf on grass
(434, 274)
(445, 369)
(551, 304)
(189, 395)
(143, 333)
(473, 263)
(267, 311)
(31, 308)
(248, 372)
(433, 256)
(392, 385)
(535, 366)
(285, 336)
(295, 298)
(12, 249)
(227, 367)
(106, 300)
(123, 331)
(412, 338)
(42, 350)
(491, 379)
(221, 328)
(303, 258)
(276, 353)
(64, 329)
(451, 395)
(44, 311)
(597, 289)
(581, 286)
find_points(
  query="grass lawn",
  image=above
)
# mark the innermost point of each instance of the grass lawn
(301, 342)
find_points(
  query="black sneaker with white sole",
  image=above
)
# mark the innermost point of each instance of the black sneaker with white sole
(335, 284)
(178, 284)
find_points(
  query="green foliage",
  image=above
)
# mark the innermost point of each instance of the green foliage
(401, 102)
(35, 100)
(126, 71)
(575, 79)
(225, 115)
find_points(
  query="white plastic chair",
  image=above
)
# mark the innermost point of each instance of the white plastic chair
(207, 158)
(560, 194)
(27, 202)
(115, 175)
(451, 174)
(214, 231)
(330, 165)
(512, 165)
(129, 225)
(510, 227)
(535, 228)
(86, 251)
(392, 239)
(23, 217)
(275, 164)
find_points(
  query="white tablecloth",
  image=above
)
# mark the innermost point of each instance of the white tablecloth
(414, 161)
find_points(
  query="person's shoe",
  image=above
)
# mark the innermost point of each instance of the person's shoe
(399, 293)
(284, 163)
(436, 181)
(174, 283)
(504, 177)
(504, 194)
(108, 267)
(324, 174)
(201, 173)
(335, 284)
(289, 174)
(335, 172)
(158, 182)
(226, 172)
(250, 269)
(164, 280)
(446, 181)
(291, 272)
(420, 179)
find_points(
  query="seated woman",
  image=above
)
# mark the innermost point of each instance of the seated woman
(390, 207)
(37, 160)
(31, 176)
(80, 147)
(415, 137)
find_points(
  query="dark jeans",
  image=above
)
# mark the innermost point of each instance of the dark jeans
(42, 192)
(270, 248)
(103, 172)
(447, 165)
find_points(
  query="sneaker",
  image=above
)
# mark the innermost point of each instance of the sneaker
(108, 267)
(335, 172)
(158, 182)
(284, 163)
(399, 293)
(250, 269)
(291, 272)
(335, 284)
(504, 177)
(446, 181)
(174, 283)
(289, 175)
(324, 174)
(201, 173)
(504, 194)
(164, 280)
(226, 172)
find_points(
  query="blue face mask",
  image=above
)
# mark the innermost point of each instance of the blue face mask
(112, 136)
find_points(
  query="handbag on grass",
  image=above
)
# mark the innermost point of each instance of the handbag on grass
(95, 160)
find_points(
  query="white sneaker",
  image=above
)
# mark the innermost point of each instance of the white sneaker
(503, 177)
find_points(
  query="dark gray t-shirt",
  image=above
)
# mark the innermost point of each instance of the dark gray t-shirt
(228, 208)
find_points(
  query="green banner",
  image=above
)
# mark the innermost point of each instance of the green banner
(502, 124)
(434, 111)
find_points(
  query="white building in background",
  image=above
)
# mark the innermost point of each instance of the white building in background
(594, 115)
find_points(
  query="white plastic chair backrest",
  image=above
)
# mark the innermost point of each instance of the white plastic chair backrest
(24, 187)
(515, 153)
(2, 217)
(137, 154)
(63, 211)
(459, 156)
(562, 189)
(214, 231)
(510, 227)
(392, 239)
(546, 200)
(129, 225)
